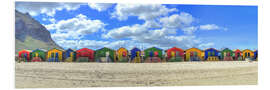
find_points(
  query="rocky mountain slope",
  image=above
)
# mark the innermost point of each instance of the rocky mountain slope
(30, 34)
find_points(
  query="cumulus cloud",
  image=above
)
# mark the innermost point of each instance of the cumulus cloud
(143, 11)
(190, 30)
(48, 8)
(177, 20)
(75, 27)
(100, 6)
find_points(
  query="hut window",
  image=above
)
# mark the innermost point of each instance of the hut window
(209, 53)
(177, 53)
(213, 53)
(248, 54)
(195, 54)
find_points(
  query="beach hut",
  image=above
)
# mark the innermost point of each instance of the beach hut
(122, 55)
(85, 55)
(238, 55)
(193, 54)
(105, 55)
(153, 54)
(135, 55)
(70, 55)
(24, 55)
(175, 54)
(55, 55)
(38, 55)
(211, 54)
(227, 54)
(256, 55)
(247, 54)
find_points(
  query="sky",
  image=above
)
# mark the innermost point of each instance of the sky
(97, 25)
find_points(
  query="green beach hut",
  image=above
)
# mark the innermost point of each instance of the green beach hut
(105, 55)
(227, 54)
(153, 54)
(38, 55)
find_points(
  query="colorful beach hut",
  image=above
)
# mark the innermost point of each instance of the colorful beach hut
(247, 54)
(153, 54)
(105, 55)
(135, 55)
(70, 55)
(227, 54)
(175, 54)
(211, 54)
(38, 55)
(122, 55)
(85, 55)
(193, 54)
(24, 55)
(55, 55)
(238, 55)
(256, 55)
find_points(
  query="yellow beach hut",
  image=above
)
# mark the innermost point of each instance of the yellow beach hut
(122, 55)
(55, 55)
(247, 54)
(194, 54)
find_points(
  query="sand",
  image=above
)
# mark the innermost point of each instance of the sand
(67, 75)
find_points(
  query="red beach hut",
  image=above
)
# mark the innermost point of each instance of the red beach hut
(24, 55)
(237, 54)
(175, 54)
(85, 55)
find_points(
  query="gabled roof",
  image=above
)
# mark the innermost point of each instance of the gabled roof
(212, 49)
(71, 49)
(43, 50)
(56, 49)
(193, 48)
(153, 47)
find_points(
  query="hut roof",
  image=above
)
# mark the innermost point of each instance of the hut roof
(211, 49)
(193, 48)
(154, 47)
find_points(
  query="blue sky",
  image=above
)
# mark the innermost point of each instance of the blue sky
(96, 25)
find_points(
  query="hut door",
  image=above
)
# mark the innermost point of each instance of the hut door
(52, 57)
(56, 57)
(177, 54)
(191, 54)
(25, 57)
(228, 54)
(248, 54)
(151, 53)
(172, 54)
(71, 56)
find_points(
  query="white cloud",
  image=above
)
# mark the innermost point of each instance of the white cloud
(143, 11)
(100, 6)
(177, 20)
(75, 27)
(44, 19)
(190, 30)
(209, 27)
(206, 45)
(48, 8)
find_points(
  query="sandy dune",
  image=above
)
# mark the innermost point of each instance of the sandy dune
(56, 75)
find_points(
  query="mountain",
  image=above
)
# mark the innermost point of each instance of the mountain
(30, 34)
